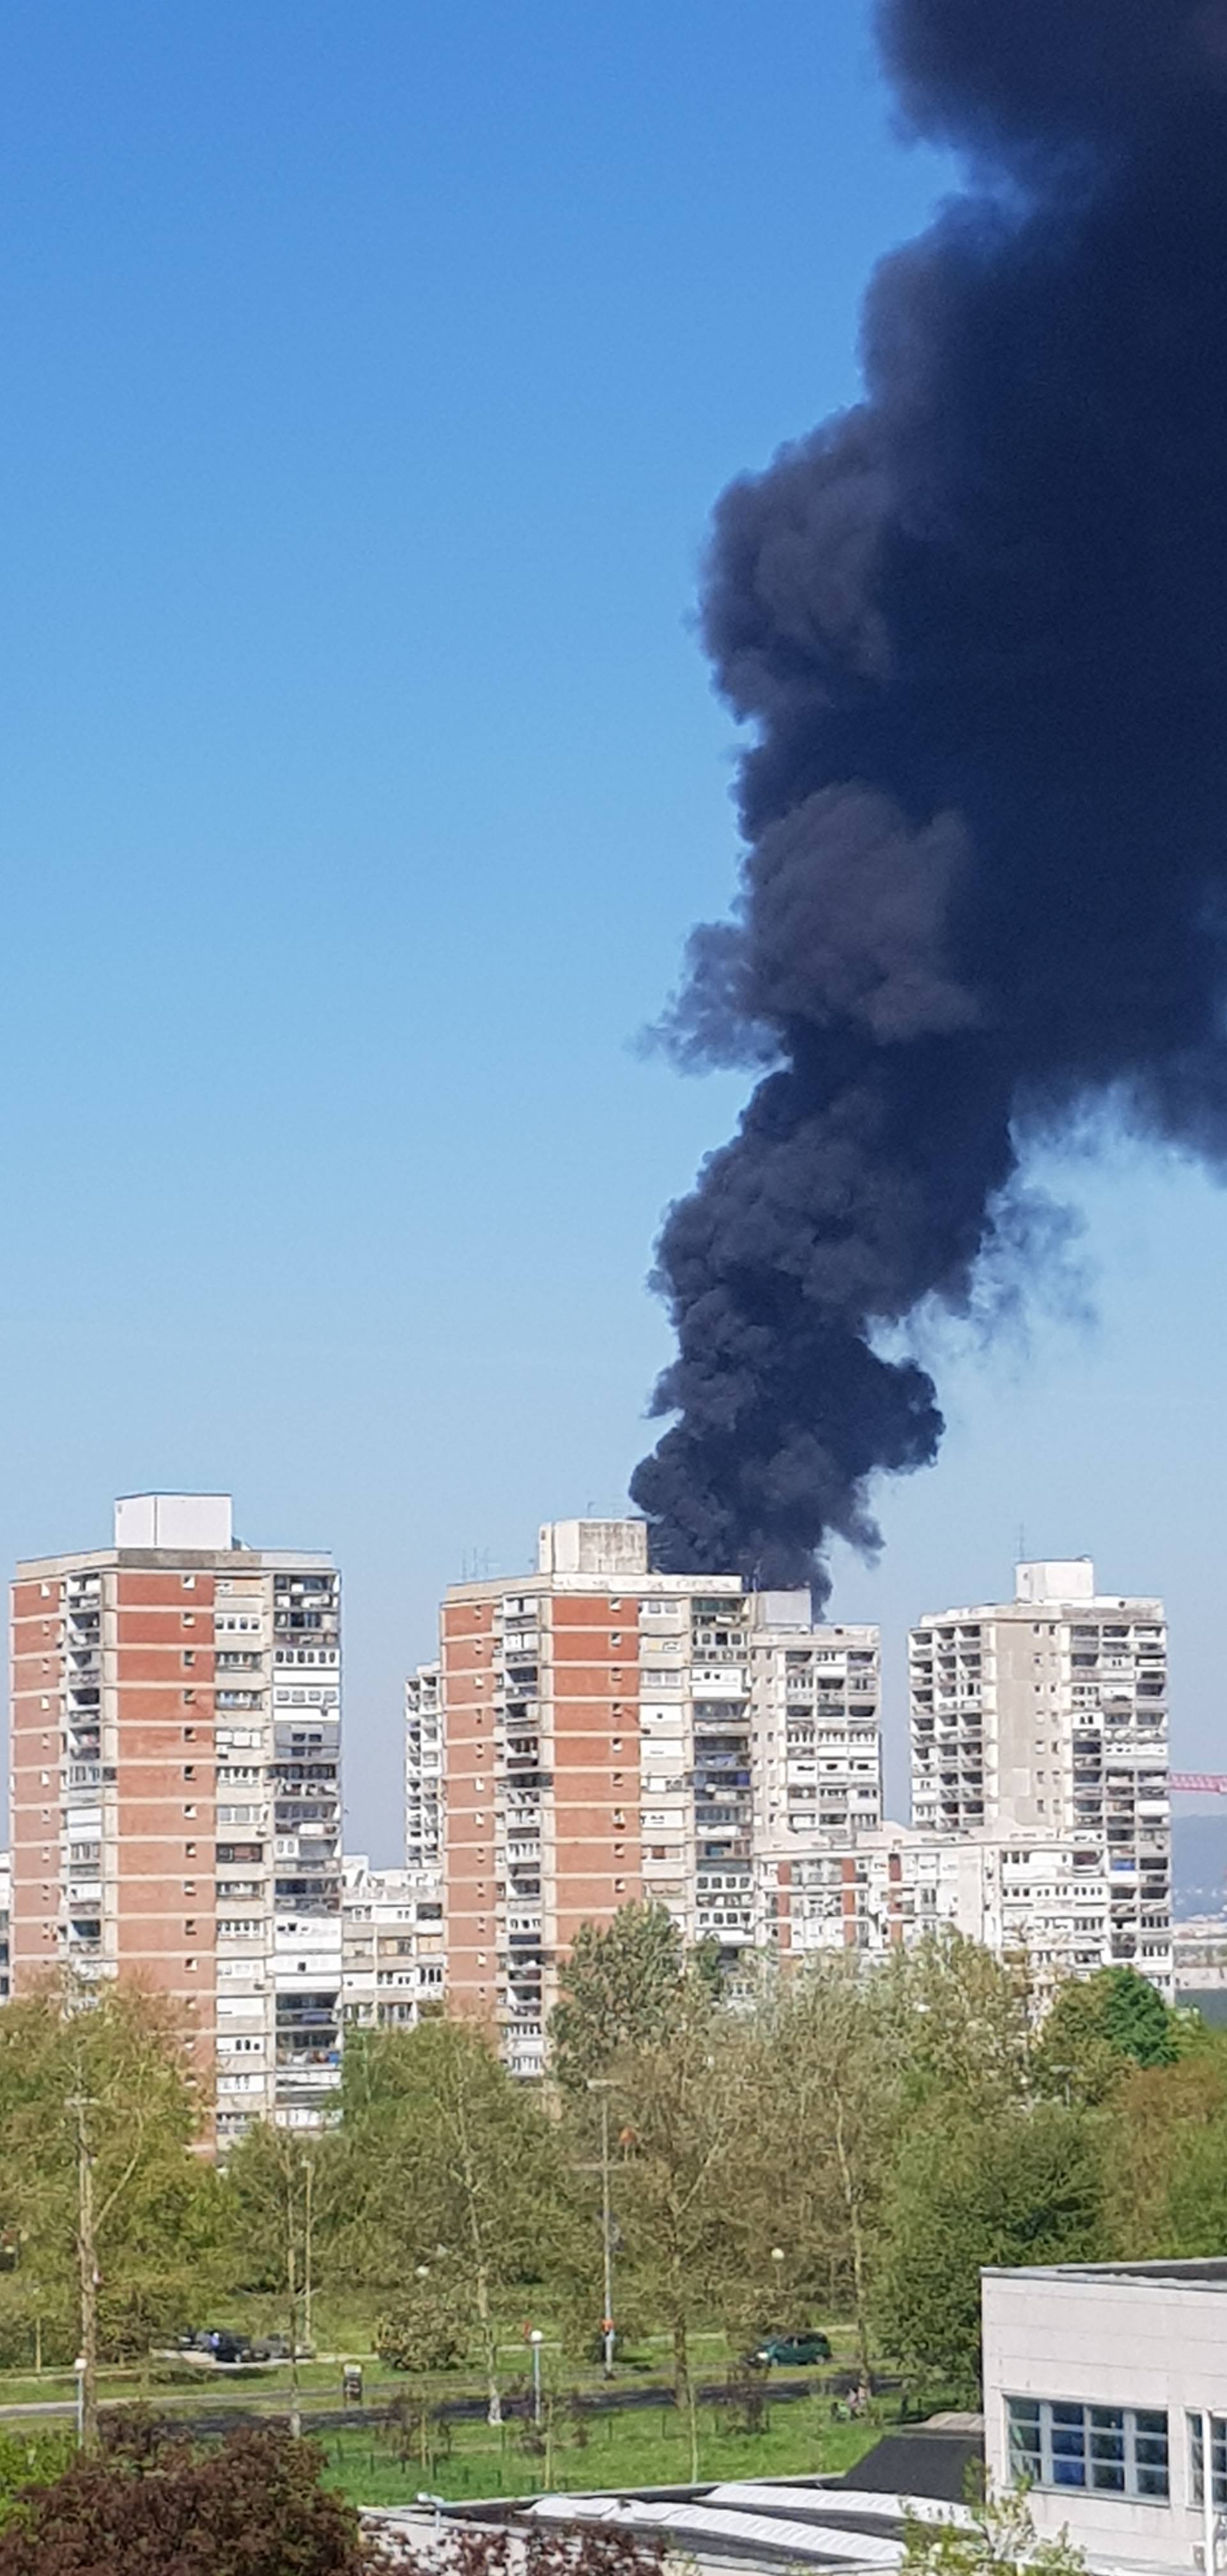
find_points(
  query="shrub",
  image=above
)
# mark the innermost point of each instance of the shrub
(426, 2329)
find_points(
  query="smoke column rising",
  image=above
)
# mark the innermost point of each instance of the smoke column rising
(977, 627)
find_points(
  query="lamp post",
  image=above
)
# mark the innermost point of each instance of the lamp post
(536, 2339)
(777, 2265)
(80, 2367)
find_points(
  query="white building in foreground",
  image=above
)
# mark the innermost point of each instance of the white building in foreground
(1103, 2386)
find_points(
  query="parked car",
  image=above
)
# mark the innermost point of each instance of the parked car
(792, 2352)
(219, 2344)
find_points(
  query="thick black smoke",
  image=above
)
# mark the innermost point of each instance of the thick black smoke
(978, 626)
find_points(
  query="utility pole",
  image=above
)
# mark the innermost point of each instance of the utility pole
(308, 2182)
(291, 2282)
(87, 2274)
(600, 2084)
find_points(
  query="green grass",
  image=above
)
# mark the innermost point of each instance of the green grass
(648, 2449)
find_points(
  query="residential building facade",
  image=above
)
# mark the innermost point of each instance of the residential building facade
(1047, 1716)
(175, 1791)
(393, 1966)
(1035, 1898)
(423, 1767)
(610, 1733)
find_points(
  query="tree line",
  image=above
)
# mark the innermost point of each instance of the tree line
(846, 2140)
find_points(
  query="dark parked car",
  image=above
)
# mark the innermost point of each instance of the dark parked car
(222, 2345)
(792, 2352)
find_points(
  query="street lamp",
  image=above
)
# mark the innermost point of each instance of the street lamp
(536, 2339)
(777, 2265)
(80, 2367)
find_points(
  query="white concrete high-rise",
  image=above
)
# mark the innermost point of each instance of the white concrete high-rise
(1047, 1716)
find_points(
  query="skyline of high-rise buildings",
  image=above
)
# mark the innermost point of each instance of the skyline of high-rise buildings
(590, 1732)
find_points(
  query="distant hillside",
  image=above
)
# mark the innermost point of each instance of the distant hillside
(1199, 1865)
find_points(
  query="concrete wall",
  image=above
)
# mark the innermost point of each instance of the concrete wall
(1098, 2338)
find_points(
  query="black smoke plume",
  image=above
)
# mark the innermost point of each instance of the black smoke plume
(978, 628)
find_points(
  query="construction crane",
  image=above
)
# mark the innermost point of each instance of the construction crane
(1214, 1781)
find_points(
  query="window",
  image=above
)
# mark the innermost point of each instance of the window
(1118, 2450)
(1218, 2458)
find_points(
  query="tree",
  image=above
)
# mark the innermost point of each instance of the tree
(448, 2159)
(1164, 2145)
(997, 2539)
(109, 2210)
(1022, 2188)
(621, 1987)
(162, 2505)
(682, 2111)
(825, 2079)
(284, 2191)
(962, 2020)
(1098, 2028)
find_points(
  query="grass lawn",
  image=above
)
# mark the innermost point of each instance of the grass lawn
(652, 2448)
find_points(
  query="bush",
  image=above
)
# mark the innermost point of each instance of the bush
(172, 2508)
(426, 2329)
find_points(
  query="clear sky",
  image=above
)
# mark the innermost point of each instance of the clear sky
(371, 369)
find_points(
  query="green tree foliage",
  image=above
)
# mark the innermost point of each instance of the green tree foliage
(1164, 2147)
(1024, 2187)
(825, 2091)
(427, 2327)
(98, 2116)
(962, 2022)
(998, 2539)
(30, 2459)
(149, 2501)
(621, 1988)
(682, 2112)
(1099, 2028)
(449, 2159)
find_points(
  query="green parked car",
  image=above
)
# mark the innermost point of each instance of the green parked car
(793, 2351)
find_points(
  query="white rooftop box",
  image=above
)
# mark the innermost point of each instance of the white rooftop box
(1062, 1578)
(615, 1548)
(190, 1521)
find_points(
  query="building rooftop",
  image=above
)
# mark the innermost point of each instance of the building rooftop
(1209, 2273)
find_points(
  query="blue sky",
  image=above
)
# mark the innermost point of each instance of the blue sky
(371, 372)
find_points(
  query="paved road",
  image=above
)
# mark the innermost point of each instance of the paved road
(317, 2412)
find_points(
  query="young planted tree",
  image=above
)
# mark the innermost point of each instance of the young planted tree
(283, 2195)
(110, 2211)
(682, 2111)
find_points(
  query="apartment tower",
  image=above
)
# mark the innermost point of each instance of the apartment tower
(175, 1799)
(1047, 1716)
(609, 1733)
